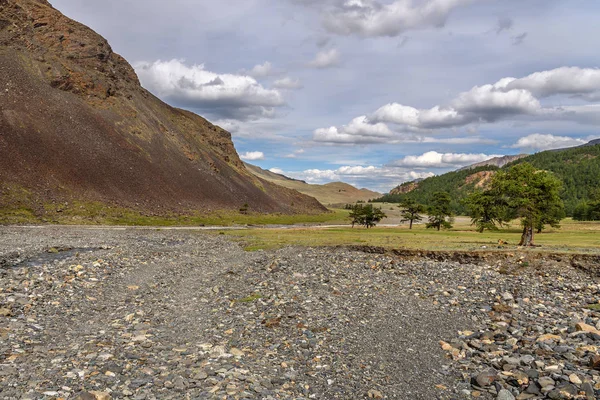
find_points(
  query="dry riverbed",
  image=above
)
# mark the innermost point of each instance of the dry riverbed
(151, 314)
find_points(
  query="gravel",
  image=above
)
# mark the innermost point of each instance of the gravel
(106, 313)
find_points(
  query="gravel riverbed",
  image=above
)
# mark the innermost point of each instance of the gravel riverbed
(159, 314)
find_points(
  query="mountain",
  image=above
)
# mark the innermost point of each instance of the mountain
(76, 126)
(577, 167)
(330, 193)
(497, 161)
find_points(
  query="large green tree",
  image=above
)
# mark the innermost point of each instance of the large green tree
(520, 192)
(411, 211)
(486, 209)
(440, 212)
(366, 215)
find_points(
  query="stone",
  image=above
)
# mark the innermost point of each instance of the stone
(595, 362)
(486, 378)
(548, 338)
(583, 327)
(505, 395)
(236, 352)
(374, 394)
(84, 396)
(101, 395)
(574, 379)
(545, 382)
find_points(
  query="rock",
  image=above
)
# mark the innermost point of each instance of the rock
(84, 396)
(507, 297)
(486, 378)
(545, 382)
(595, 362)
(583, 327)
(101, 395)
(236, 352)
(548, 338)
(5, 312)
(574, 379)
(505, 395)
(374, 394)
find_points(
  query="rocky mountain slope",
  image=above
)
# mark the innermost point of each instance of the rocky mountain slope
(497, 161)
(330, 193)
(75, 125)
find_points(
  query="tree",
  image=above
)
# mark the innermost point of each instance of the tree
(410, 211)
(366, 215)
(533, 195)
(355, 214)
(440, 213)
(486, 210)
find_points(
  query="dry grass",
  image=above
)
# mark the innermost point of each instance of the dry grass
(577, 237)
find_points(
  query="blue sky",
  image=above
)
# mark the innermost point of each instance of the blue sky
(373, 93)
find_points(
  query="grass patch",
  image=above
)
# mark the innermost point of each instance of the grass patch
(96, 213)
(594, 307)
(572, 237)
(251, 298)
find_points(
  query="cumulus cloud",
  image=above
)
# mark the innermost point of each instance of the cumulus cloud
(509, 98)
(226, 96)
(433, 159)
(370, 18)
(261, 70)
(490, 103)
(436, 117)
(326, 59)
(538, 141)
(359, 130)
(287, 83)
(252, 156)
(376, 178)
(565, 80)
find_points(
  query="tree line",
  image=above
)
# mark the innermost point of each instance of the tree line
(577, 168)
(519, 192)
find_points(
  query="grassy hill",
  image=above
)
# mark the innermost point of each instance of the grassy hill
(577, 167)
(330, 193)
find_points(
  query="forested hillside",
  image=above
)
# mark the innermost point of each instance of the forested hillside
(457, 183)
(578, 168)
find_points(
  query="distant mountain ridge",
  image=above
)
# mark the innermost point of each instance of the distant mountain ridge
(577, 167)
(329, 193)
(497, 161)
(76, 126)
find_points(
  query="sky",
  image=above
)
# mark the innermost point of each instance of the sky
(370, 92)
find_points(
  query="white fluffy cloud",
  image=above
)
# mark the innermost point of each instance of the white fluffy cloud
(433, 159)
(370, 18)
(376, 178)
(252, 156)
(507, 99)
(261, 70)
(287, 83)
(490, 103)
(538, 141)
(359, 130)
(326, 59)
(226, 96)
(565, 80)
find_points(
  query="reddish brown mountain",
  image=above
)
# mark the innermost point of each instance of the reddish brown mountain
(75, 124)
